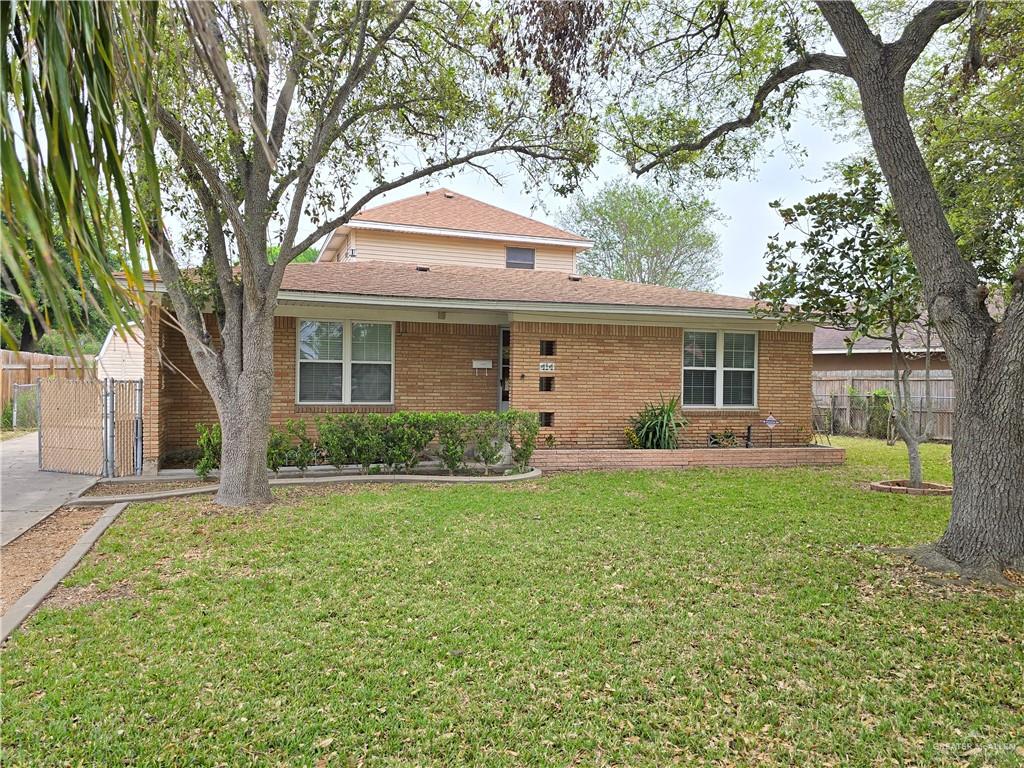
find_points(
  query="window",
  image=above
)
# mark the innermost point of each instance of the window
(547, 419)
(738, 369)
(719, 369)
(519, 258)
(547, 349)
(345, 362)
(547, 383)
(321, 361)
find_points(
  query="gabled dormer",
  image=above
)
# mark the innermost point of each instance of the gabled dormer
(445, 227)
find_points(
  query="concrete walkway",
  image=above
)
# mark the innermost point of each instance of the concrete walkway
(27, 494)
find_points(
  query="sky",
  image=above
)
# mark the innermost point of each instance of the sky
(746, 221)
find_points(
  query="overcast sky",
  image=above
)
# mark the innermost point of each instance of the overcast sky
(747, 221)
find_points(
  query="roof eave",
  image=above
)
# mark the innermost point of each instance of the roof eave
(567, 242)
(511, 306)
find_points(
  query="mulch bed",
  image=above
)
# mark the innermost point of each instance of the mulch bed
(29, 557)
(130, 489)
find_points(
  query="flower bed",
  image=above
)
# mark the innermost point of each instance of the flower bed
(391, 443)
(565, 459)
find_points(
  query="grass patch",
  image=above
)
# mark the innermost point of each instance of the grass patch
(719, 617)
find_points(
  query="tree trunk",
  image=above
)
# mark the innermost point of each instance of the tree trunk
(244, 410)
(986, 529)
(244, 424)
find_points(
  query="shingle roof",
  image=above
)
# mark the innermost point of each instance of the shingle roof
(834, 340)
(484, 284)
(445, 209)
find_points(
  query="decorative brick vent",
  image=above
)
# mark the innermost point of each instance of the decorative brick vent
(901, 486)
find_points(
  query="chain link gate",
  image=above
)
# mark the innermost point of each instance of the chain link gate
(91, 427)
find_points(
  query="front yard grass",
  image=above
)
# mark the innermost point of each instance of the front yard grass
(729, 617)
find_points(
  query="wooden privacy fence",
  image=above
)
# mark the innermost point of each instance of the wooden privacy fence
(841, 400)
(90, 427)
(27, 367)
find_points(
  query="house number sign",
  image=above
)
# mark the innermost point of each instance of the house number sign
(547, 368)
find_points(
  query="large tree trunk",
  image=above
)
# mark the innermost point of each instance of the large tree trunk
(244, 423)
(986, 530)
(244, 409)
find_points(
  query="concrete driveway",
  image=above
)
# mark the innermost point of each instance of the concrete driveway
(27, 494)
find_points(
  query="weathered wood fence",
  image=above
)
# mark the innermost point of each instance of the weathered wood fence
(840, 400)
(26, 367)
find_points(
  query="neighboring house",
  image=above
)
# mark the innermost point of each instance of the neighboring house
(122, 356)
(875, 355)
(441, 302)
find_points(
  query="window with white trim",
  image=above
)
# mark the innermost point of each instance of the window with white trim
(520, 258)
(719, 369)
(345, 362)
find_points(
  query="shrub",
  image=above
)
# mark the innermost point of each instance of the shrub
(658, 425)
(488, 434)
(338, 438)
(209, 443)
(277, 449)
(879, 406)
(521, 430)
(369, 439)
(405, 436)
(7, 418)
(452, 437)
(353, 438)
(302, 451)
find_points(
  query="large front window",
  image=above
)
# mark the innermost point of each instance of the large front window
(719, 369)
(344, 361)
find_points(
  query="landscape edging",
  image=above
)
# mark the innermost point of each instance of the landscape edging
(27, 603)
(99, 501)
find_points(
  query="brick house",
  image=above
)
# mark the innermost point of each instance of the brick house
(442, 302)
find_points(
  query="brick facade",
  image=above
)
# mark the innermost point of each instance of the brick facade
(605, 373)
(433, 372)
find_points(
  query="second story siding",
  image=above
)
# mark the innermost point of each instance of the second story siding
(431, 249)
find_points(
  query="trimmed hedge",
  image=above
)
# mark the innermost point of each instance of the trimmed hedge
(394, 442)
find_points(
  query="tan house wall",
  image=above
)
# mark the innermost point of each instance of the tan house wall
(605, 373)
(874, 361)
(372, 245)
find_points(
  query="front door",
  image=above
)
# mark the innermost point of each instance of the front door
(504, 369)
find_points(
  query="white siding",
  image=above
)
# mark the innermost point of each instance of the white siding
(121, 358)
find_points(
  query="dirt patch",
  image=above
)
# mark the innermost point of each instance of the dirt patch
(75, 597)
(130, 489)
(29, 557)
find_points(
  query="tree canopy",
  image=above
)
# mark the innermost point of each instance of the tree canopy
(647, 235)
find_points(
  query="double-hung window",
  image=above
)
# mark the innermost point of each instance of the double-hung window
(345, 362)
(719, 369)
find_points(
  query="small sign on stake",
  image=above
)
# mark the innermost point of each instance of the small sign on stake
(771, 422)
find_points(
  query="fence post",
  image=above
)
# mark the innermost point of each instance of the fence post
(138, 427)
(108, 419)
(832, 416)
(14, 413)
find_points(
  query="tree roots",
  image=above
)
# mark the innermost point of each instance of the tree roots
(930, 558)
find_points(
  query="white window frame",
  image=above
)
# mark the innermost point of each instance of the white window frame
(719, 370)
(533, 264)
(346, 361)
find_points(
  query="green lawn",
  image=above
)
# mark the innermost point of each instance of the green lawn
(701, 617)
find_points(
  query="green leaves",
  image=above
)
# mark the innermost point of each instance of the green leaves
(850, 267)
(644, 234)
(61, 153)
(657, 425)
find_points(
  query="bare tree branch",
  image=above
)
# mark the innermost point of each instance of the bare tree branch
(816, 61)
(920, 30)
